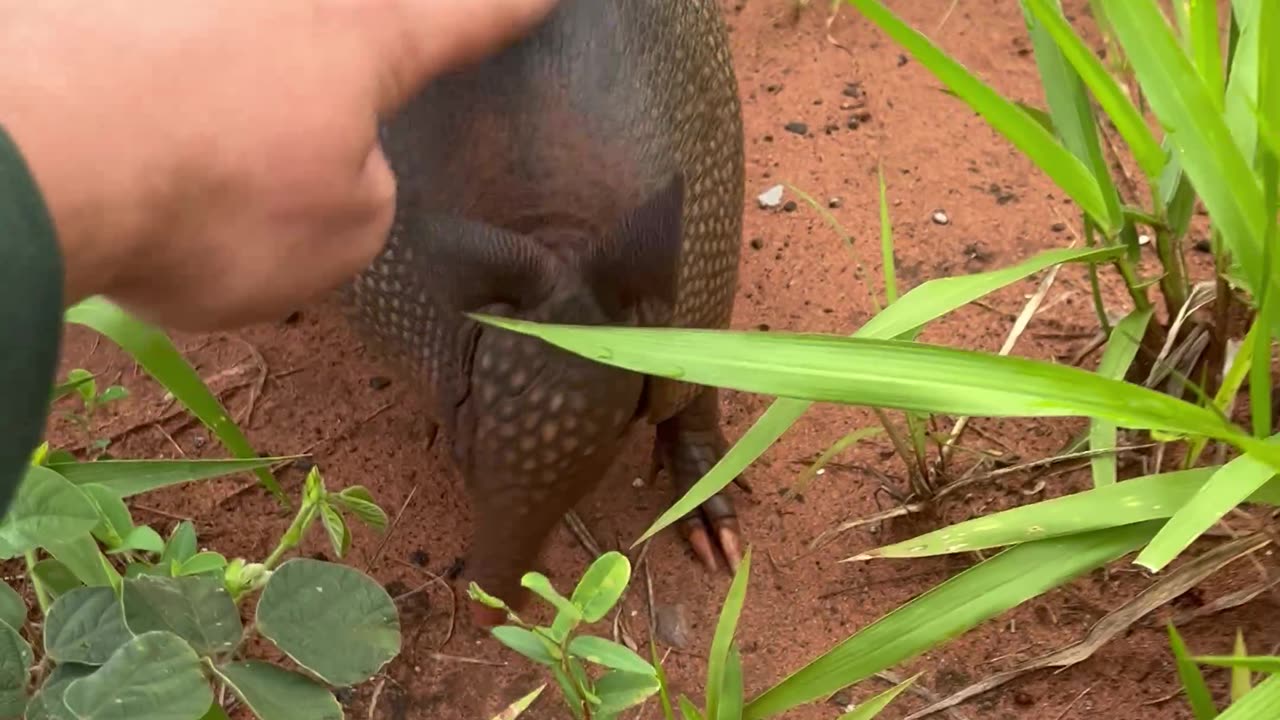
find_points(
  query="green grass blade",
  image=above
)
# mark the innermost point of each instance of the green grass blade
(722, 642)
(1269, 664)
(1241, 676)
(1262, 703)
(134, 477)
(1121, 348)
(1269, 102)
(1068, 103)
(1110, 96)
(1207, 151)
(1231, 485)
(923, 304)
(1202, 20)
(872, 707)
(957, 605)
(886, 244)
(1242, 83)
(158, 356)
(1145, 498)
(1198, 695)
(1028, 135)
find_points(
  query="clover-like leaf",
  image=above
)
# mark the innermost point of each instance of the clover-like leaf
(197, 609)
(115, 522)
(610, 654)
(601, 585)
(359, 501)
(336, 527)
(181, 546)
(620, 691)
(85, 625)
(155, 676)
(48, 703)
(542, 587)
(273, 693)
(205, 562)
(333, 620)
(15, 665)
(13, 609)
(525, 642)
(46, 509)
(140, 539)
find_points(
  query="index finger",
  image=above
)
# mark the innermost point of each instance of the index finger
(418, 39)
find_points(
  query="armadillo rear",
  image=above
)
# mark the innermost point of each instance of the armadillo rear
(506, 171)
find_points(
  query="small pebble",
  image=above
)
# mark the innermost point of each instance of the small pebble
(770, 198)
(1144, 239)
(853, 90)
(773, 88)
(637, 482)
(379, 382)
(834, 202)
(790, 206)
(902, 60)
(798, 128)
(757, 243)
(940, 217)
(199, 439)
(842, 700)
(1058, 227)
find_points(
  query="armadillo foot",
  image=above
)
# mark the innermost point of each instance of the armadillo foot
(687, 447)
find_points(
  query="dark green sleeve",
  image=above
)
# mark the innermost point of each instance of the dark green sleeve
(30, 316)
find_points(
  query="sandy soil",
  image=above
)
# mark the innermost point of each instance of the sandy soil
(321, 392)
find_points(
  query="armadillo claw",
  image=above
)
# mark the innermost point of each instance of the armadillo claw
(714, 519)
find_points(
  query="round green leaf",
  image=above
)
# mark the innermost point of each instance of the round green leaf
(182, 544)
(197, 609)
(47, 509)
(85, 625)
(13, 609)
(524, 642)
(273, 693)
(114, 521)
(48, 703)
(602, 585)
(15, 664)
(56, 577)
(333, 620)
(619, 691)
(610, 654)
(155, 676)
(205, 562)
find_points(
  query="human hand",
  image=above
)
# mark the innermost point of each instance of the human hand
(213, 164)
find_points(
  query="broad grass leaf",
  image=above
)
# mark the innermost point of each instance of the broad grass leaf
(1193, 684)
(85, 626)
(948, 610)
(155, 676)
(1149, 497)
(918, 307)
(197, 609)
(688, 709)
(273, 693)
(1202, 26)
(1122, 347)
(15, 668)
(1262, 703)
(333, 620)
(161, 359)
(1068, 102)
(1028, 135)
(873, 706)
(1111, 97)
(1229, 486)
(732, 696)
(722, 641)
(46, 509)
(134, 477)
(1255, 663)
(602, 585)
(517, 708)
(1207, 151)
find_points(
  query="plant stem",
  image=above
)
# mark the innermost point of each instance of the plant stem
(42, 596)
(292, 536)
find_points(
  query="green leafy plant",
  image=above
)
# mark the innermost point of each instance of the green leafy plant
(132, 624)
(81, 384)
(1247, 701)
(1219, 149)
(628, 679)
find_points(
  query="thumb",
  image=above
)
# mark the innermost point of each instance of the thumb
(417, 39)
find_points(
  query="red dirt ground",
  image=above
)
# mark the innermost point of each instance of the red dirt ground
(324, 394)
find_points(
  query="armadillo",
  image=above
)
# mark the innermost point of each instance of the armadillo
(591, 173)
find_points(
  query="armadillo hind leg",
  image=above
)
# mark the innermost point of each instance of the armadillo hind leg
(688, 445)
(547, 426)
